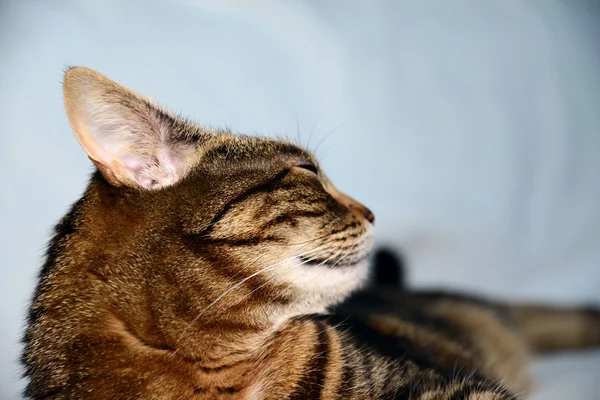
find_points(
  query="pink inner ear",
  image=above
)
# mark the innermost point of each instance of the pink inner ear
(149, 171)
(139, 145)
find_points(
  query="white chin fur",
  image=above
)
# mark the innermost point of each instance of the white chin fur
(322, 286)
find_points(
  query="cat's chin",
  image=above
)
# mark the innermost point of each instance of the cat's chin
(321, 287)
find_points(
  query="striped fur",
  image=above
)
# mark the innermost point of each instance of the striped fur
(204, 265)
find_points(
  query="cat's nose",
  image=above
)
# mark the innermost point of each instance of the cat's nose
(357, 208)
(368, 214)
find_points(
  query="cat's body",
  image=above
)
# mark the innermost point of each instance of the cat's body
(199, 264)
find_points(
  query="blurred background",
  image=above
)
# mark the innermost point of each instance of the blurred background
(471, 128)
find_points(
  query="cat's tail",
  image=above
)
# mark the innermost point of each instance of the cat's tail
(388, 269)
(548, 329)
(543, 328)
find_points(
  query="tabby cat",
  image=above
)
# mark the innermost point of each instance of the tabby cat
(203, 265)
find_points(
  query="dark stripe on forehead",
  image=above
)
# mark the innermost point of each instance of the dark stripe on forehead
(265, 187)
(311, 383)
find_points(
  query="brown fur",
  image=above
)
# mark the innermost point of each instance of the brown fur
(199, 264)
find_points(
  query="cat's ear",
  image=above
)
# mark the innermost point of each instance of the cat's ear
(131, 141)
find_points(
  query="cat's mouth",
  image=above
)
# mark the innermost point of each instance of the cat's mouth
(335, 262)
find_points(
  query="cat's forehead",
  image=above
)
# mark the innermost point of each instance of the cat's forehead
(233, 148)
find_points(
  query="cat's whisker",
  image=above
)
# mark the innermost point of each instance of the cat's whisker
(340, 260)
(274, 277)
(220, 297)
(239, 284)
(312, 130)
(306, 279)
(297, 130)
(329, 258)
(305, 244)
(252, 264)
(326, 136)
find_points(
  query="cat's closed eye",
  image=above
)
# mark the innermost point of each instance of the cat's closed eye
(308, 166)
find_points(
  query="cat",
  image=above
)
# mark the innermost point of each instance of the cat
(199, 264)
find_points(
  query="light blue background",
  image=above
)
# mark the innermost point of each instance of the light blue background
(470, 127)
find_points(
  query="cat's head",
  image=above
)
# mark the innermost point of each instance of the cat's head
(220, 222)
